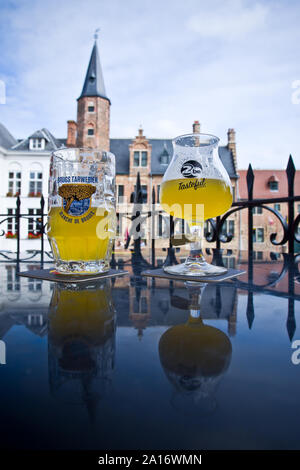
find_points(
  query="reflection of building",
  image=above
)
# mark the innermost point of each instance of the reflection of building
(267, 184)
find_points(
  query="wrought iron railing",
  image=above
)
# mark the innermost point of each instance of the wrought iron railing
(215, 235)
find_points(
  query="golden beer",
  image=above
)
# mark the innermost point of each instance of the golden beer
(195, 187)
(82, 238)
(83, 313)
(214, 194)
(82, 214)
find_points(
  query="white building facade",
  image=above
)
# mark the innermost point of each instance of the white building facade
(24, 173)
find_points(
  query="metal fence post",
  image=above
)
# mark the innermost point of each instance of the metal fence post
(290, 172)
(18, 230)
(250, 183)
(42, 204)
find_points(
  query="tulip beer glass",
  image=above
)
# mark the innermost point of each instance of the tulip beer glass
(82, 215)
(196, 187)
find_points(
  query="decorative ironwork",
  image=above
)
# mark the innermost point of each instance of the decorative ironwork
(290, 226)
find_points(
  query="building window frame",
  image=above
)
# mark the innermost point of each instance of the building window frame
(258, 235)
(34, 221)
(273, 186)
(35, 183)
(140, 158)
(12, 224)
(91, 107)
(14, 183)
(257, 210)
(120, 193)
(36, 143)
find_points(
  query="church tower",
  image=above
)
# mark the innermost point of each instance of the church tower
(93, 109)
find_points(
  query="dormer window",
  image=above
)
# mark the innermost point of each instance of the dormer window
(36, 144)
(273, 183)
(165, 157)
(139, 158)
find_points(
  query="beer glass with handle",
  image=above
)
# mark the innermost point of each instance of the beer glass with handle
(82, 214)
(196, 187)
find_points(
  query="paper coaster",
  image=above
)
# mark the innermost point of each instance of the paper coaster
(52, 275)
(222, 277)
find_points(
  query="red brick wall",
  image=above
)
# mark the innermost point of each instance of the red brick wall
(99, 120)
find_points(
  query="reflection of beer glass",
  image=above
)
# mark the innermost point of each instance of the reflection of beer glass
(195, 356)
(196, 187)
(81, 342)
(81, 218)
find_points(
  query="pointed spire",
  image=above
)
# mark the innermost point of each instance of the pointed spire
(94, 83)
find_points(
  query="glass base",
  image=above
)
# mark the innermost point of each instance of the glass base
(200, 268)
(81, 267)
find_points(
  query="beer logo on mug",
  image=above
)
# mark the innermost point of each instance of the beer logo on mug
(191, 169)
(76, 198)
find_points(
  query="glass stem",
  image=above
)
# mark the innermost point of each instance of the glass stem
(196, 233)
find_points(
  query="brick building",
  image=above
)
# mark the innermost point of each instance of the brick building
(147, 156)
(267, 184)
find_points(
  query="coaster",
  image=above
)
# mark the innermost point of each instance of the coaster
(231, 273)
(52, 275)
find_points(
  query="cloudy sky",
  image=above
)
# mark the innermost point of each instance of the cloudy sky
(165, 62)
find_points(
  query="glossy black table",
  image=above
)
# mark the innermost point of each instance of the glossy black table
(137, 363)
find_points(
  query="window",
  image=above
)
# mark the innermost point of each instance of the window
(35, 183)
(164, 159)
(13, 281)
(90, 131)
(91, 107)
(33, 286)
(120, 193)
(157, 192)
(298, 208)
(228, 227)
(229, 262)
(139, 158)
(36, 144)
(14, 183)
(257, 255)
(258, 235)
(257, 210)
(273, 185)
(277, 207)
(34, 223)
(11, 223)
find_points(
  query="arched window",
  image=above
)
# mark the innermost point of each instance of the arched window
(273, 183)
(35, 180)
(14, 180)
(91, 107)
(90, 130)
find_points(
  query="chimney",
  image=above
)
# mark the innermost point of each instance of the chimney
(231, 145)
(196, 127)
(72, 134)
